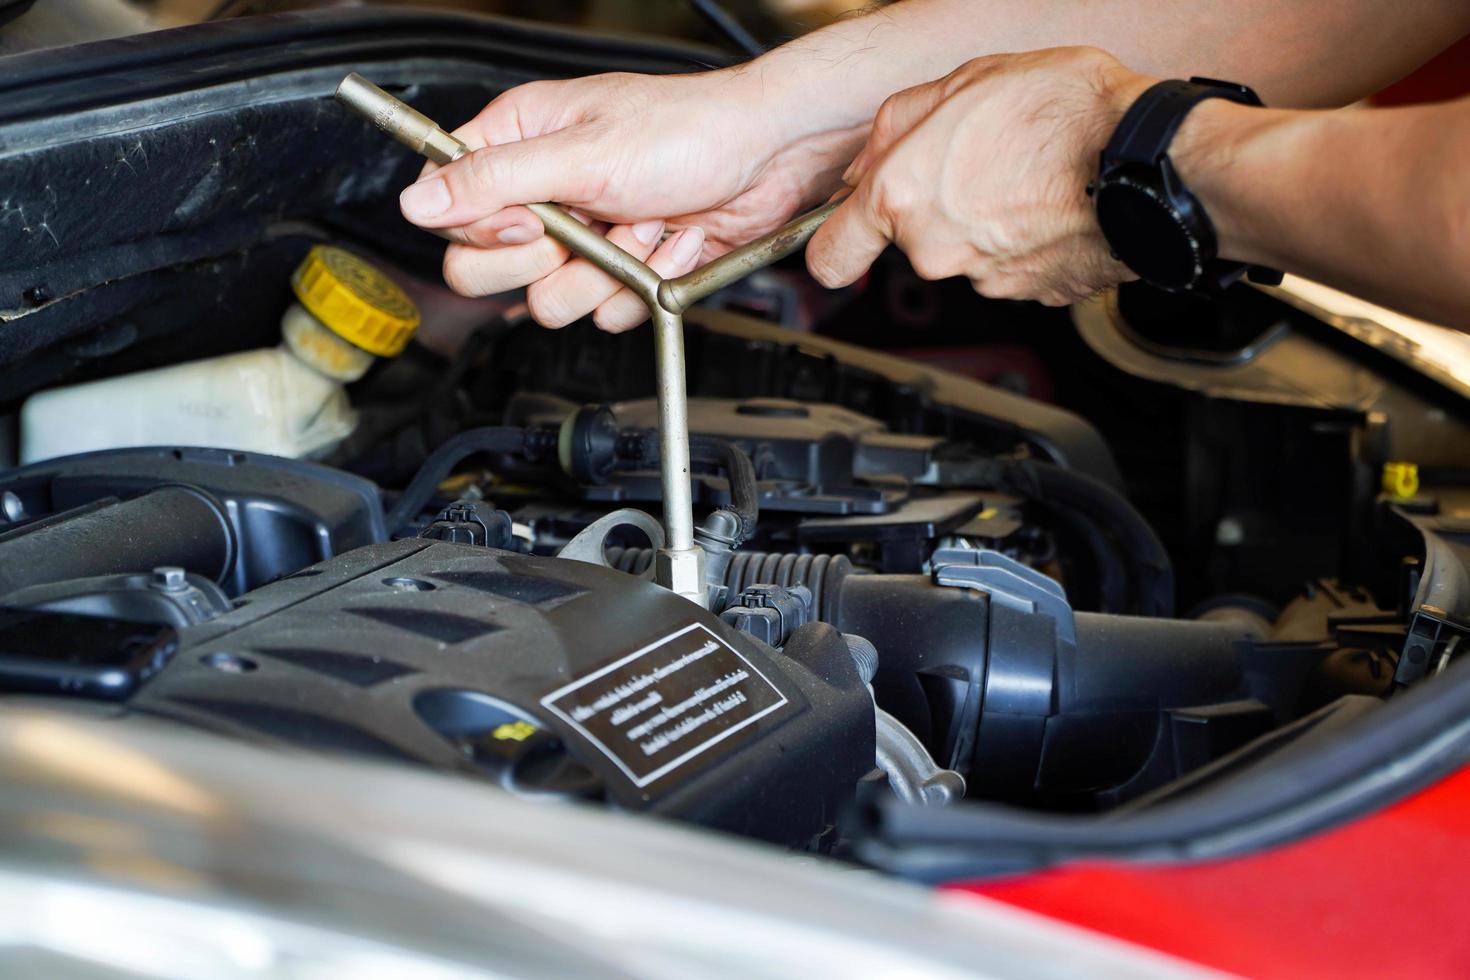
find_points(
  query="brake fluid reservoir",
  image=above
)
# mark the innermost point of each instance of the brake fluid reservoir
(286, 401)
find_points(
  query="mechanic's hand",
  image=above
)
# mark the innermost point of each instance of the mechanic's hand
(675, 170)
(984, 173)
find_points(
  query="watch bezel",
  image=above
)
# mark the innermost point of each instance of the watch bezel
(1162, 186)
(1136, 156)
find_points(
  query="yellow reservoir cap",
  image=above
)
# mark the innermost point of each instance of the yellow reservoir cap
(355, 301)
(1400, 480)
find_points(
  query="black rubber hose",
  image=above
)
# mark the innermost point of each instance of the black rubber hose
(641, 448)
(443, 460)
(1108, 562)
(1047, 483)
(744, 493)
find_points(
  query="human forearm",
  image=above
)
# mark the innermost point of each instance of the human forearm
(1291, 51)
(676, 169)
(1373, 202)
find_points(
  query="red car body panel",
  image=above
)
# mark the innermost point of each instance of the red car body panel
(1446, 77)
(1385, 896)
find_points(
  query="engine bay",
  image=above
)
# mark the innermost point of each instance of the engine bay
(1151, 556)
(912, 617)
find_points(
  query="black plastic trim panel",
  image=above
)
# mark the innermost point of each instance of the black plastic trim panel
(48, 83)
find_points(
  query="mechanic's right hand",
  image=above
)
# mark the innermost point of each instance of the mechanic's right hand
(674, 169)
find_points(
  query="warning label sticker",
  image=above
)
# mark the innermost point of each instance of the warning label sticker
(661, 706)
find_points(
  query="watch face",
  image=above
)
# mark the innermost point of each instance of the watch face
(1147, 233)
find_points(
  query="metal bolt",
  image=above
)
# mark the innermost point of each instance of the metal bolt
(229, 663)
(169, 578)
(11, 508)
(404, 583)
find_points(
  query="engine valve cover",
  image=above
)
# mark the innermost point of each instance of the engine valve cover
(550, 677)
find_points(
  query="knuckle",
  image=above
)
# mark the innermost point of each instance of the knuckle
(1020, 286)
(618, 315)
(825, 276)
(485, 169)
(527, 93)
(991, 283)
(893, 198)
(884, 121)
(932, 264)
(819, 264)
(459, 274)
(486, 237)
(972, 71)
(1086, 54)
(548, 305)
(965, 75)
(1001, 286)
(924, 266)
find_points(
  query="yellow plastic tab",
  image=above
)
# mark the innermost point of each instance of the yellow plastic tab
(513, 731)
(1400, 479)
(355, 300)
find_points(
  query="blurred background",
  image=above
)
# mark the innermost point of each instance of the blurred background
(27, 25)
(768, 20)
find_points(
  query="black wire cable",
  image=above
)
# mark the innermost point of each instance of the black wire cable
(443, 460)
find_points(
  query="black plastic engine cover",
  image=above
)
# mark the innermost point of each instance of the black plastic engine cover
(551, 677)
(283, 513)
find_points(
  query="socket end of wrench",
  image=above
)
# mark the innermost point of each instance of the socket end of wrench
(682, 573)
(399, 120)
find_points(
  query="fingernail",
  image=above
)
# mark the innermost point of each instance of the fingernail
(424, 200)
(691, 240)
(517, 235)
(647, 232)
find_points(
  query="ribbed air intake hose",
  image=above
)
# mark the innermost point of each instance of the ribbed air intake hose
(823, 574)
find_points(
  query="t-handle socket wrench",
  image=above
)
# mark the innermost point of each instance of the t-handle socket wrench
(679, 565)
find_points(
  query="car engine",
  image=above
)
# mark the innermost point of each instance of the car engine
(1106, 560)
(896, 622)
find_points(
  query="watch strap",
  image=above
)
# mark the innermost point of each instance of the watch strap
(1148, 127)
(1143, 136)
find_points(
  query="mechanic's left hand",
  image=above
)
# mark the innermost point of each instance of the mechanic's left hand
(983, 174)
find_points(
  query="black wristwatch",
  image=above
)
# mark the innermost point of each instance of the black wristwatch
(1153, 224)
